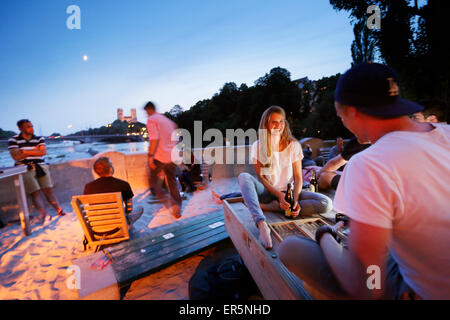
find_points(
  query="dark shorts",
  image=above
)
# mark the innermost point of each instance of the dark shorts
(312, 267)
(335, 181)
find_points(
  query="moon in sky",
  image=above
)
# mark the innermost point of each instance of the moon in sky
(85, 57)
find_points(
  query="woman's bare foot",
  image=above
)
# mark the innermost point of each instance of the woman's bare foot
(264, 235)
(274, 206)
(216, 196)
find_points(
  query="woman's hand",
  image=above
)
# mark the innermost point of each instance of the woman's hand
(283, 203)
(295, 211)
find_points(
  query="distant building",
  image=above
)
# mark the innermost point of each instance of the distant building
(130, 119)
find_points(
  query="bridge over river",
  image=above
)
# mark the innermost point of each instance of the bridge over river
(111, 138)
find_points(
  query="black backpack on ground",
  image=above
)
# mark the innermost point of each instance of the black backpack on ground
(227, 280)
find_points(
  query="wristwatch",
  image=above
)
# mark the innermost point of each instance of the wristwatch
(322, 230)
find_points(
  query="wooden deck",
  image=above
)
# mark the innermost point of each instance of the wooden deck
(273, 279)
(136, 258)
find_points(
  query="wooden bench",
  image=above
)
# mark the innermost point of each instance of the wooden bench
(166, 245)
(274, 280)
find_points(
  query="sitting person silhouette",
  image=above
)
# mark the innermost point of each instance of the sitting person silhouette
(107, 183)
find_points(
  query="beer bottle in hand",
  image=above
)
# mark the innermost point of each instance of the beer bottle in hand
(314, 183)
(289, 198)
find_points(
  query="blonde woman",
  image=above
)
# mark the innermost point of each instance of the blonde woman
(277, 158)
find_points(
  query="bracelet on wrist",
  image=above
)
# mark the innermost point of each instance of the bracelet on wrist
(322, 230)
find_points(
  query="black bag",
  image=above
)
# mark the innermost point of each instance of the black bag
(228, 280)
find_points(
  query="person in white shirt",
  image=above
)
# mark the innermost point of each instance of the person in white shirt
(394, 194)
(160, 129)
(277, 158)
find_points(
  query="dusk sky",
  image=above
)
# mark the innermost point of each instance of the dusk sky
(169, 52)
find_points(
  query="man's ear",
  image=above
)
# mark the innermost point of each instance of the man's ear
(351, 111)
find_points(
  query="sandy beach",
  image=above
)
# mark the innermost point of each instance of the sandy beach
(35, 267)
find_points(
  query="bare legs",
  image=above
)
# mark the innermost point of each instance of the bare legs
(51, 198)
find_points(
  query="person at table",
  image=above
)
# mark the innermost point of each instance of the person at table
(394, 194)
(29, 150)
(277, 158)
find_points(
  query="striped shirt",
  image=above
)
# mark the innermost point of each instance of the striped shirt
(19, 142)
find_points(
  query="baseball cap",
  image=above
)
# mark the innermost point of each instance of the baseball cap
(373, 89)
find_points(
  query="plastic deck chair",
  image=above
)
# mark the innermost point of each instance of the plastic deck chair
(102, 217)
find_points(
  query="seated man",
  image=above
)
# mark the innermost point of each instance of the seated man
(434, 112)
(329, 176)
(107, 183)
(394, 195)
(190, 172)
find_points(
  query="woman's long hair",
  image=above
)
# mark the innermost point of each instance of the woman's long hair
(265, 143)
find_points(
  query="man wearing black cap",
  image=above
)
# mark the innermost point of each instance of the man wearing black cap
(393, 193)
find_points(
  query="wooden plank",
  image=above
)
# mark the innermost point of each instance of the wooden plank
(100, 206)
(114, 211)
(271, 276)
(112, 217)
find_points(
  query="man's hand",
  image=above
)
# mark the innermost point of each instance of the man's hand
(151, 164)
(338, 226)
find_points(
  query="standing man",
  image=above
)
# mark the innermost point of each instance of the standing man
(28, 149)
(394, 194)
(160, 130)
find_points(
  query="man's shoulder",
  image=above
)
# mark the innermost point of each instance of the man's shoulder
(159, 118)
(14, 138)
(114, 183)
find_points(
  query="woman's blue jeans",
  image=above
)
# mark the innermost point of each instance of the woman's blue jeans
(254, 193)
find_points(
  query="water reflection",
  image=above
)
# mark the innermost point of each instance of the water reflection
(72, 150)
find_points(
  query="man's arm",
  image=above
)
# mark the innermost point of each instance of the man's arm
(151, 153)
(20, 154)
(333, 164)
(367, 247)
(152, 147)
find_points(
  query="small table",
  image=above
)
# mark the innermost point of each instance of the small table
(17, 172)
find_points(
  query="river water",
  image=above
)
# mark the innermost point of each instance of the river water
(72, 150)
